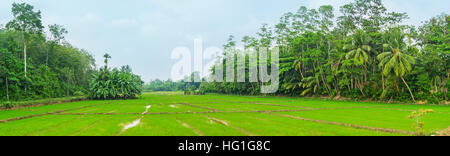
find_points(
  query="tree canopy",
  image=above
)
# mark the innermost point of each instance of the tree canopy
(365, 53)
(55, 68)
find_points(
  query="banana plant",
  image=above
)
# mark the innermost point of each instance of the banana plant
(115, 84)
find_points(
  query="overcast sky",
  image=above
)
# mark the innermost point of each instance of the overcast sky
(143, 33)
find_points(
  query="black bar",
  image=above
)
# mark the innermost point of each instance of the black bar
(238, 145)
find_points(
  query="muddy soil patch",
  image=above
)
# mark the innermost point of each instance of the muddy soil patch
(445, 132)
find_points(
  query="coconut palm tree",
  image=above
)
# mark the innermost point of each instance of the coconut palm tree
(394, 62)
(359, 52)
(359, 48)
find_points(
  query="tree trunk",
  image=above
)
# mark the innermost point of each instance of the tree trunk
(7, 89)
(301, 74)
(359, 85)
(68, 82)
(435, 85)
(25, 57)
(25, 60)
(373, 66)
(408, 89)
(46, 60)
(326, 84)
(365, 74)
(351, 82)
(68, 85)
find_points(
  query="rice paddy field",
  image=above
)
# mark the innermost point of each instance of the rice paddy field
(175, 114)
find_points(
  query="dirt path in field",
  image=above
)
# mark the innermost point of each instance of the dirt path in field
(169, 113)
(260, 119)
(266, 104)
(196, 131)
(410, 110)
(253, 103)
(191, 105)
(225, 123)
(345, 124)
(295, 99)
(50, 113)
(89, 126)
(214, 112)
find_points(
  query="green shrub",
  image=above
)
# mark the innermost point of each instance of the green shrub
(78, 93)
(7, 105)
(187, 91)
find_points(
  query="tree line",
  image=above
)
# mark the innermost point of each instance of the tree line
(170, 85)
(39, 65)
(35, 65)
(365, 53)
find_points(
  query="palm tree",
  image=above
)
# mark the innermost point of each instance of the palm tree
(106, 56)
(394, 62)
(359, 52)
(359, 48)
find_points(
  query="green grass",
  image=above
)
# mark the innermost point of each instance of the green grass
(174, 114)
(5, 104)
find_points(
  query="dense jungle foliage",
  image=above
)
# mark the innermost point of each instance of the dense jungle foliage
(365, 53)
(38, 65)
(35, 65)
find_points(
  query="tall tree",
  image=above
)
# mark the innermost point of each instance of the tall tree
(68, 73)
(4, 69)
(326, 18)
(371, 15)
(28, 22)
(394, 61)
(106, 56)
(57, 35)
(359, 50)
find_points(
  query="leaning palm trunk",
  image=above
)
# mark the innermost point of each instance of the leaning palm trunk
(408, 89)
